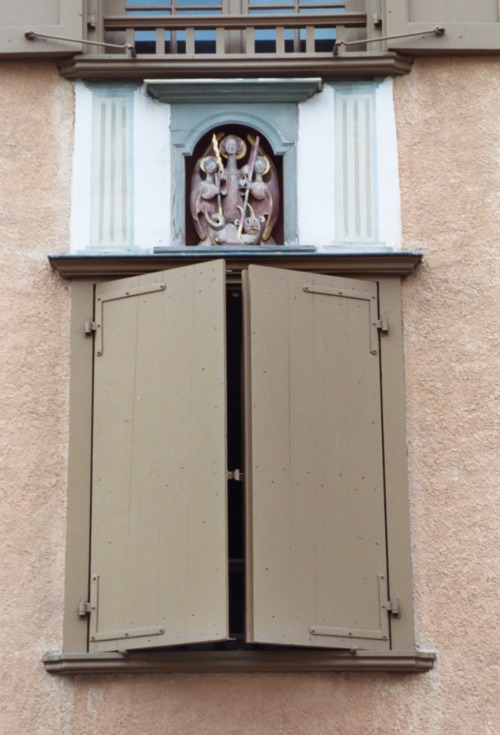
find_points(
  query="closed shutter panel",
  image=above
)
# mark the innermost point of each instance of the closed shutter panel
(50, 17)
(469, 26)
(159, 536)
(316, 526)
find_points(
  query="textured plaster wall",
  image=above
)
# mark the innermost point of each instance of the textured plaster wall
(36, 120)
(448, 119)
(447, 116)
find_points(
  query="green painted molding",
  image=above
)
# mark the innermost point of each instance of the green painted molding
(200, 91)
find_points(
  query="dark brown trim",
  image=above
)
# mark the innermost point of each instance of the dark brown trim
(237, 661)
(114, 266)
(327, 66)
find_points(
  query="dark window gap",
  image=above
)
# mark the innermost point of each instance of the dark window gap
(236, 507)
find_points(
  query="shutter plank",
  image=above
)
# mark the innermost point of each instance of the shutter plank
(51, 17)
(159, 503)
(317, 561)
(469, 26)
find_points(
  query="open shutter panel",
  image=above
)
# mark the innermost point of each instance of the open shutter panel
(316, 540)
(159, 536)
(469, 26)
(49, 17)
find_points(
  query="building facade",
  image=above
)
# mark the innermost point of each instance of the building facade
(386, 158)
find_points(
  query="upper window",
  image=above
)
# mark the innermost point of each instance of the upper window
(175, 38)
(232, 38)
(262, 39)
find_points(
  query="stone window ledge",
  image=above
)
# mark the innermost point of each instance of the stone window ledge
(238, 661)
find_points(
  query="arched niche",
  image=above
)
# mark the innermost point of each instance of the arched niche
(274, 233)
(276, 124)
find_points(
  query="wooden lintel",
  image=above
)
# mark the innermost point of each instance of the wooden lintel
(400, 263)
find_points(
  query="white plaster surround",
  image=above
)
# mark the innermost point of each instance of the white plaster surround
(150, 196)
(317, 165)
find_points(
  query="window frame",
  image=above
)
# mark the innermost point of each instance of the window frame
(387, 269)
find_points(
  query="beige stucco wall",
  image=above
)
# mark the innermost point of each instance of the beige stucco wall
(448, 133)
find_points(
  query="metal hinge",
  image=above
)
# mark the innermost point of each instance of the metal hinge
(382, 326)
(90, 327)
(84, 608)
(393, 607)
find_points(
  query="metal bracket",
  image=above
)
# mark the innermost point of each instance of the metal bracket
(128, 47)
(437, 31)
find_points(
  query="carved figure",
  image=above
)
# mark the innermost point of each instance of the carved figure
(231, 205)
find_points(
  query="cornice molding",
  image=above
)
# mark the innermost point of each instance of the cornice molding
(345, 66)
(213, 91)
(373, 264)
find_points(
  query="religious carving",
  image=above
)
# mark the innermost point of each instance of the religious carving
(233, 205)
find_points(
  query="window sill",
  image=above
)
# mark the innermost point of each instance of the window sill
(238, 661)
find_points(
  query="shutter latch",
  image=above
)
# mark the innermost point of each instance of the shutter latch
(236, 475)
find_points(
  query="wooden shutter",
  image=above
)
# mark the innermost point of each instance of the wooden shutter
(159, 536)
(469, 26)
(315, 500)
(51, 17)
